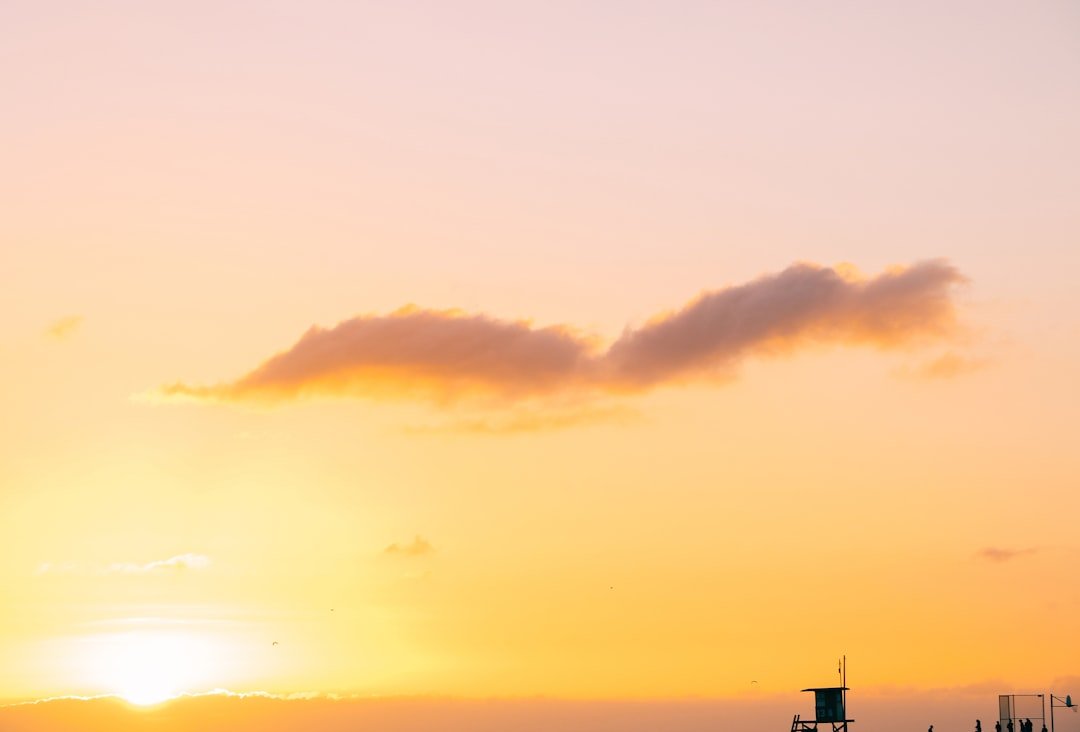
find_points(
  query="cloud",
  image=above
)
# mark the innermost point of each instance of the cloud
(418, 548)
(776, 314)
(447, 355)
(412, 352)
(947, 366)
(998, 554)
(178, 563)
(64, 327)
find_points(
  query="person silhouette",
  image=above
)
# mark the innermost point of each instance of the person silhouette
(1009, 726)
(997, 726)
(931, 729)
(978, 725)
(1028, 724)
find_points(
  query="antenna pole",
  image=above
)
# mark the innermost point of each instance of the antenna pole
(844, 692)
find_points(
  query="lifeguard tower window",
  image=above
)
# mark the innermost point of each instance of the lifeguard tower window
(829, 704)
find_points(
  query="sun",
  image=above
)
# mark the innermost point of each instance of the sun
(147, 694)
(149, 667)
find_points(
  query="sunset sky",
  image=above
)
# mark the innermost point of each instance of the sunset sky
(580, 350)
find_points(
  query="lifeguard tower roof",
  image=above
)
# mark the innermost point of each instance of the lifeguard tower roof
(828, 688)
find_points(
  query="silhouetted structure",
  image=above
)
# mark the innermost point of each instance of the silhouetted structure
(829, 708)
(1018, 712)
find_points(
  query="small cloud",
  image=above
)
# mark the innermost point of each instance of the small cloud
(999, 554)
(418, 548)
(179, 563)
(64, 327)
(947, 366)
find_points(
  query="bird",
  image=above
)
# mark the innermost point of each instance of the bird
(274, 643)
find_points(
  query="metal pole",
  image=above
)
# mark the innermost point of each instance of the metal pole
(843, 692)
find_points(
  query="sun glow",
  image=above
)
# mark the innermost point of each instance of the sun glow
(145, 667)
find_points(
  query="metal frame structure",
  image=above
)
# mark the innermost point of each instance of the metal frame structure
(1011, 704)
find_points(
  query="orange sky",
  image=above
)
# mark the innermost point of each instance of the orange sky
(585, 350)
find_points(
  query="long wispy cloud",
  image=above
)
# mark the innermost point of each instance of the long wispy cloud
(444, 355)
(178, 563)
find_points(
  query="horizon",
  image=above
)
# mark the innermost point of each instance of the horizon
(948, 710)
(590, 351)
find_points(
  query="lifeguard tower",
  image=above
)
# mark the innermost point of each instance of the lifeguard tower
(830, 708)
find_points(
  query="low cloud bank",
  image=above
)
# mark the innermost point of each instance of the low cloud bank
(445, 355)
(901, 712)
